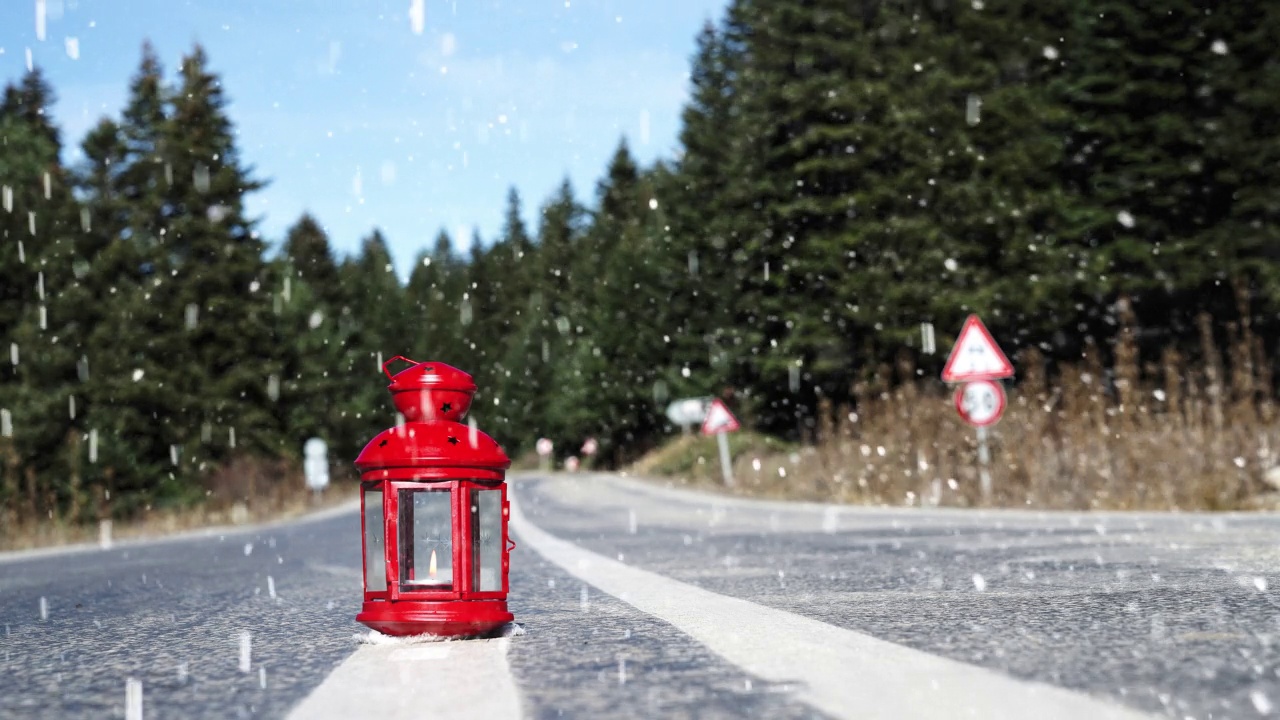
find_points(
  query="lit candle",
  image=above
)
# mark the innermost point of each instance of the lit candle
(431, 569)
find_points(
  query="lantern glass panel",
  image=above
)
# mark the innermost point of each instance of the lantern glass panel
(486, 540)
(375, 556)
(426, 540)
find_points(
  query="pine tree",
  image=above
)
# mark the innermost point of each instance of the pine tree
(1171, 150)
(30, 102)
(129, 415)
(37, 321)
(541, 343)
(706, 258)
(619, 321)
(307, 247)
(434, 297)
(373, 322)
(506, 296)
(812, 136)
(311, 393)
(187, 398)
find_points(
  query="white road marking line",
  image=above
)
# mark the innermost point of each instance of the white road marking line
(843, 673)
(425, 652)
(461, 679)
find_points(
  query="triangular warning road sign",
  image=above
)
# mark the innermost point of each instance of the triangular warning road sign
(719, 420)
(976, 356)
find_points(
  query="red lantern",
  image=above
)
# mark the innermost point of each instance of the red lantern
(434, 509)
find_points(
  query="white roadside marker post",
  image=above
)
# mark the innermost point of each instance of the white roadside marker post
(315, 466)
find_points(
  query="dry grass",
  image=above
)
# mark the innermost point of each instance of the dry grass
(1165, 436)
(247, 491)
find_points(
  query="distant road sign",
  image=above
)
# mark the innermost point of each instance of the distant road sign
(544, 446)
(688, 411)
(719, 420)
(976, 356)
(590, 447)
(980, 403)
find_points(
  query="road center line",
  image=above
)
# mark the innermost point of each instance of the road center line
(461, 679)
(841, 672)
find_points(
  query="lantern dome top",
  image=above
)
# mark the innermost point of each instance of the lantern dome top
(430, 390)
(432, 445)
(434, 375)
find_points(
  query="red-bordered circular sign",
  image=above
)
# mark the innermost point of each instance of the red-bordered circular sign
(980, 403)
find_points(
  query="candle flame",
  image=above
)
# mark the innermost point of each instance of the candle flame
(431, 569)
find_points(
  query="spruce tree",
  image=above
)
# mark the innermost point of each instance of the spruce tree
(540, 345)
(311, 258)
(707, 263)
(373, 324)
(619, 321)
(1172, 150)
(40, 325)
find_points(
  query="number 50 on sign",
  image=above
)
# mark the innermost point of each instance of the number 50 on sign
(980, 403)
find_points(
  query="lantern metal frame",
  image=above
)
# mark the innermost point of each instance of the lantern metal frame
(462, 532)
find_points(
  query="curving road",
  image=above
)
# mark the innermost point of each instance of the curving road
(643, 601)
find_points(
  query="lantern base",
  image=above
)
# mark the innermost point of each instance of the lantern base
(450, 618)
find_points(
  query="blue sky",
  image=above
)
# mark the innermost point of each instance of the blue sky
(408, 115)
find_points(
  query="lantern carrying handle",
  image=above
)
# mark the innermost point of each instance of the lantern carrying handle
(511, 544)
(386, 364)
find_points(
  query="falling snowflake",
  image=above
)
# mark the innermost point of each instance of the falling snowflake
(1261, 702)
(246, 651)
(1124, 218)
(417, 16)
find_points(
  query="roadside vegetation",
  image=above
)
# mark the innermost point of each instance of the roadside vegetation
(1153, 434)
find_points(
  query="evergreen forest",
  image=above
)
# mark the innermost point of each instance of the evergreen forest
(848, 172)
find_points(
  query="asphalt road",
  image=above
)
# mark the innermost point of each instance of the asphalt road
(175, 614)
(1170, 615)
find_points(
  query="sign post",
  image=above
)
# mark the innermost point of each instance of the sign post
(977, 361)
(718, 422)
